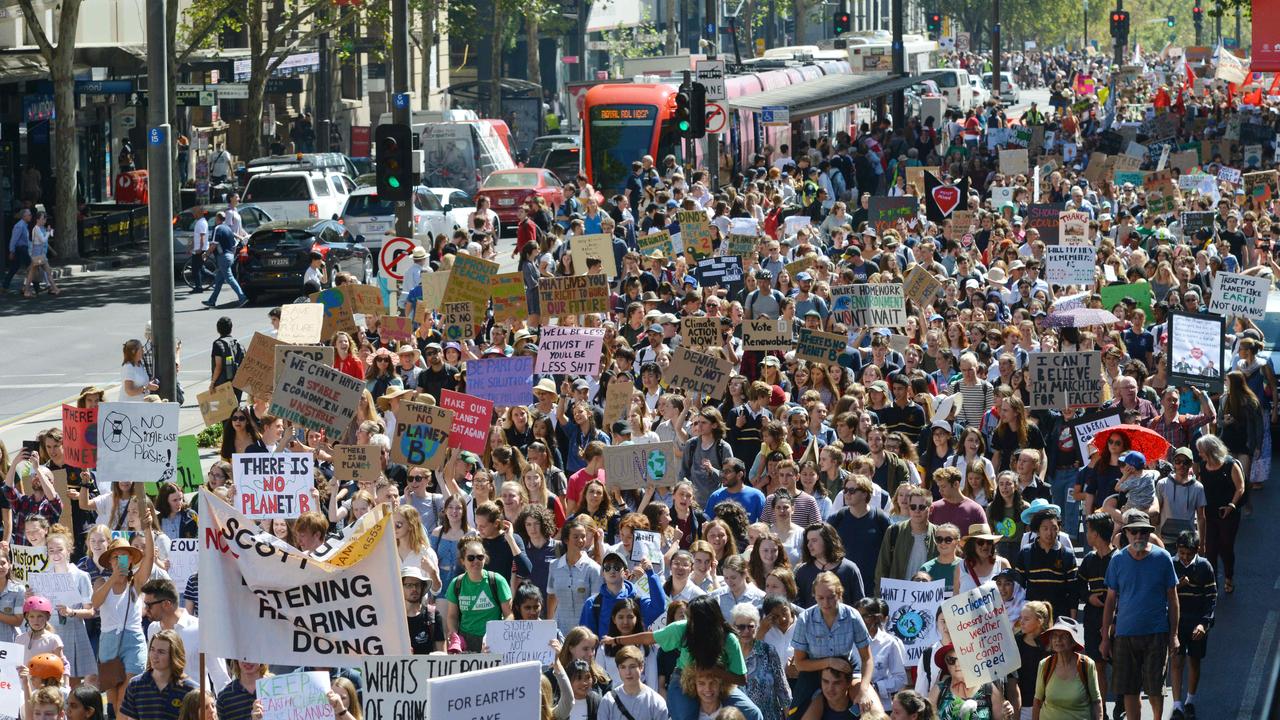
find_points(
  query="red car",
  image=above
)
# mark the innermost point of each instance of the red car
(508, 190)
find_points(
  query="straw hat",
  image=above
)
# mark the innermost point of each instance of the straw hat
(546, 385)
(135, 555)
(392, 393)
(93, 390)
(981, 531)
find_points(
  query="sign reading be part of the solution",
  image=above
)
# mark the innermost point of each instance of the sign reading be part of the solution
(273, 486)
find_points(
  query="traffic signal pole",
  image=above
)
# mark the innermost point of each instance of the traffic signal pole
(401, 112)
(899, 109)
(1121, 39)
(160, 163)
(713, 139)
(997, 79)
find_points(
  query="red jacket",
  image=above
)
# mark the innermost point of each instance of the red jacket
(525, 234)
(350, 365)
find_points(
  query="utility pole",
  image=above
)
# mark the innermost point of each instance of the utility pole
(401, 107)
(1238, 36)
(713, 42)
(1217, 23)
(1086, 23)
(324, 86)
(996, 77)
(160, 207)
(899, 67)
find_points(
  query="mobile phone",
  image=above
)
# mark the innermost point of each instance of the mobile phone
(122, 561)
(300, 435)
(32, 445)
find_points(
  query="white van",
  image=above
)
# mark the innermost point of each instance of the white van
(955, 87)
(460, 154)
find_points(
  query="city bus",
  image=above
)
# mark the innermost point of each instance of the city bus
(871, 53)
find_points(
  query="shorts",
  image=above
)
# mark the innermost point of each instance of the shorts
(1192, 648)
(1139, 663)
(127, 646)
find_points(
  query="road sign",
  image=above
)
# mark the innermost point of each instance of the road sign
(775, 115)
(711, 74)
(128, 118)
(401, 100)
(717, 118)
(390, 254)
(157, 135)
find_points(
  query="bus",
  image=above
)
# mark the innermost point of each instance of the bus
(625, 121)
(871, 53)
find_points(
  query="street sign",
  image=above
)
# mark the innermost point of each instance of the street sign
(231, 91)
(157, 135)
(401, 100)
(717, 118)
(775, 115)
(711, 74)
(390, 254)
(128, 118)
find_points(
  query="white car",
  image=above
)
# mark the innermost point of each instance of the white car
(368, 216)
(299, 194)
(980, 92)
(458, 203)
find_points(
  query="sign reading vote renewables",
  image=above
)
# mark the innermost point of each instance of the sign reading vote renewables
(1065, 379)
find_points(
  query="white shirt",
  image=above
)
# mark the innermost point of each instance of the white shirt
(220, 165)
(200, 235)
(235, 222)
(889, 659)
(136, 373)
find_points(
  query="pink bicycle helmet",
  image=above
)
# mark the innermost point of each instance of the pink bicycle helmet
(37, 603)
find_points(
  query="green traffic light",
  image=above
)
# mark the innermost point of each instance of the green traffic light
(684, 125)
(393, 182)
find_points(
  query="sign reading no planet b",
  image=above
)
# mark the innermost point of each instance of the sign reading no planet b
(395, 687)
(421, 435)
(633, 466)
(820, 347)
(272, 486)
(1065, 379)
(872, 305)
(80, 436)
(566, 350)
(502, 381)
(315, 396)
(1241, 295)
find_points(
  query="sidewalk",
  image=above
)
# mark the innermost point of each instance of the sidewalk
(124, 258)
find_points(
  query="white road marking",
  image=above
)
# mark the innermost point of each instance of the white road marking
(1261, 660)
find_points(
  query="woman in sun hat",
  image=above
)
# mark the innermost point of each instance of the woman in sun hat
(979, 562)
(956, 700)
(381, 373)
(119, 604)
(1066, 680)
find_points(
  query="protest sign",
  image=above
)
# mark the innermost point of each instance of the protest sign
(295, 696)
(1070, 264)
(885, 212)
(1044, 218)
(508, 296)
(137, 441)
(457, 324)
(1260, 188)
(422, 435)
(257, 371)
(394, 687)
(1073, 228)
(568, 350)
(217, 405)
(1064, 379)
(472, 418)
(698, 374)
(646, 545)
(60, 588)
(872, 305)
(1229, 174)
(741, 245)
(599, 247)
(1183, 161)
(913, 608)
(820, 347)
(190, 476)
(1013, 161)
(1195, 350)
(519, 641)
(695, 231)
(793, 223)
(765, 334)
(80, 436)
(63, 490)
(469, 281)
(1001, 195)
(12, 657)
(25, 561)
(364, 299)
(339, 308)
(315, 396)
(395, 329)
(502, 693)
(915, 175)
(1113, 295)
(720, 271)
(636, 465)
(322, 354)
(273, 486)
(1193, 222)
(1242, 295)
(1084, 427)
(281, 606)
(655, 242)
(700, 332)
(963, 220)
(573, 295)
(184, 560)
(503, 381)
(357, 463)
(617, 399)
(301, 323)
(921, 287)
(796, 267)
(433, 286)
(982, 634)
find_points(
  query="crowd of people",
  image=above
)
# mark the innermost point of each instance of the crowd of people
(912, 457)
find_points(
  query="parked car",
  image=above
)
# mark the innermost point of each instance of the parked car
(507, 190)
(543, 143)
(980, 92)
(367, 216)
(457, 203)
(278, 254)
(1009, 90)
(954, 84)
(251, 216)
(299, 194)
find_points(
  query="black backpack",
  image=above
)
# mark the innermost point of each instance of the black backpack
(228, 348)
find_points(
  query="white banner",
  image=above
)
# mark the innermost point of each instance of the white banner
(271, 604)
(273, 486)
(982, 634)
(12, 656)
(137, 442)
(394, 687)
(521, 640)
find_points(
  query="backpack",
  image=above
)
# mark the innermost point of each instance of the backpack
(493, 585)
(1047, 672)
(228, 348)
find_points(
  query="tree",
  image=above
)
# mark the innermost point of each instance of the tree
(60, 59)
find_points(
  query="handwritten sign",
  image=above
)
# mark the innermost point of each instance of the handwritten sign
(1229, 174)
(1070, 264)
(394, 685)
(1073, 228)
(742, 245)
(301, 323)
(218, 404)
(469, 280)
(80, 436)
(1086, 426)
(508, 295)
(913, 609)
(636, 465)
(698, 374)
(472, 418)
(457, 324)
(1013, 161)
(617, 399)
(257, 372)
(573, 295)
(273, 486)
(599, 247)
(59, 588)
(1043, 218)
(765, 334)
(190, 476)
(357, 463)
(184, 560)
(921, 287)
(322, 354)
(364, 299)
(503, 381)
(26, 561)
(339, 309)
(519, 641)
(700, 332)
(422, 435)
(878, 305)
(315, 396)
(1195, 350)
(646, 545)
(695, 231)
(659, 242)
(137, 441)
(568, 350)
(982, 634)
(885, 212)
(1065, 379)
(819, 347)
(1242, 295)
(295, 696)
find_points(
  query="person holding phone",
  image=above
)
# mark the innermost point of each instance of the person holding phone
(42, 502)
(118, 600)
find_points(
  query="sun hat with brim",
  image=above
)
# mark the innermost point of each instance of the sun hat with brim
(1137, 520)
(1065, 625)
(981, 531)
(996, 275)
(546, 385)
(419, 253)
(93, 390)
(1038, 506)
(391, 394)
(118, 545)
(940, 657)
(407, 349)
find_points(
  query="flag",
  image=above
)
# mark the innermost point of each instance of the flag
(1275, 85)
(1190, 82)
(1253, 97)
(1136, 58)
(1230, 68)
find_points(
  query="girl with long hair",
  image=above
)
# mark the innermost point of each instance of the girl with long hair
(579, 431)
(624, 619)
(978, 486)
(940, 448)
(517, 428)
(979, 562)
(1223, 478)
(535, 484)
(1014, 432)
(1035, 618)
(176, 519)
(345, 359)
(508, 464)
(1103, 473)
(412, 545)
(685, 515)
(239, 433)
(536, 527)
(719, 535)
(767, 553)
(1240, 422)
(112, 508)
(598, 505)
(135, 384)
(69, 623)
(1004, 513)
(381, 374)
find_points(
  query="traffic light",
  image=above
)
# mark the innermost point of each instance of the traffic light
(1197, 15)
(394, 155)
(1120, 23)
(841, 22)
(697, 110)
(1170, 21)
(683, 112)
(934, 22)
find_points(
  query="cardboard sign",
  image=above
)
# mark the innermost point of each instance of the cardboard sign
(656, 242)
(921, 287)
(137, 441)
(301, 323)
(12, 657)
(502, 693)
(396, 329)
(872, 305)
(1184, 161)
(218, 404)
(1195, 350)
(26, 561)
(190, 476)
(1064, 379)
(62, 589)
(273, 486)
(1073, 228)
(700, 332)
(573, 295)
(433, 287)
(315, 396)
(364, 299)
(457, 324)
(508, 296)
(568, 350)
(469, 281)
(184, 560)
(1261, 188)
(257, 372)
(766, 334)
(915, 175)
(295, 696)
(695, 231)
(634, 466)
(80, 436)
(339, 309)
(617, 399)
(599, 247)
(982, 633)
(393, 686)
(322, 354)
(963, 220)
(1243, 295)
(472, 418)
(913, 609)
(698, 374)
(357, 463)
(1086, 426)
(742, 245)
(1013, 161)
(503, 381)
(819, 347)
(520, 641)
(885, 212)
(421, 437)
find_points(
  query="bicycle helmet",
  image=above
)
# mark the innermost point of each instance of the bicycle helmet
(37, 603)
(46, 666)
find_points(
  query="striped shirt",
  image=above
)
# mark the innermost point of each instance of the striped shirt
(977, 400)
(235, 702)
(144, 700)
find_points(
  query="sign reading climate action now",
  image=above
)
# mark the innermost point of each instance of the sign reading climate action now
(1063, 380)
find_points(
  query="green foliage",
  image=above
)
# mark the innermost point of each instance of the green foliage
(633, 42)
(210, 436)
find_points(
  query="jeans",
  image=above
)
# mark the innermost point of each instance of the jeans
(1060, 490)
(224, 275)
(1220, 540)
(683, 707)
(20, 260)
(196, 263)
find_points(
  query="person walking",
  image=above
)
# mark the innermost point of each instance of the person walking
(40, 235)
(199, 247)
(224, 244)
(19, 250)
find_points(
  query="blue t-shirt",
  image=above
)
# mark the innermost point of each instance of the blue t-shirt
(1143, 590)
(751, 499)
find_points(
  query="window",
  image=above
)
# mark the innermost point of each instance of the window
(427, 200)
(338, 187)
(277, 188)
(321, 187)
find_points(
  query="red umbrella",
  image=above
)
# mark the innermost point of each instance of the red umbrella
(1150, 443)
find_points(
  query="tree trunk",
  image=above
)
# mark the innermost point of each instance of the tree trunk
(252, 132)
(533, 54)
(430, 50)
(673, 46)
(746, 24)
(801, 9)
(67, 157)
(495, 62)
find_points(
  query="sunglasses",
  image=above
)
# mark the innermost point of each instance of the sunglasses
(611, 567)
(918, 507)
(238, 418)
(850, 490)
(945, 540)
(475, 558)
(1138, 532)
(745, 627)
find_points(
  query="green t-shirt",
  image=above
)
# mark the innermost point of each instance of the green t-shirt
(475, 601)
(939, 571)
(671, 637)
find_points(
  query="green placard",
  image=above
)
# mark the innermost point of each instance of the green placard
(1141, 292)
(190, 475)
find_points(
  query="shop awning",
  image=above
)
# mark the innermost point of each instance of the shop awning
(827, 93)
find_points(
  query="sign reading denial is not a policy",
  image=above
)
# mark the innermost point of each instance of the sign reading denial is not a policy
(273, 486)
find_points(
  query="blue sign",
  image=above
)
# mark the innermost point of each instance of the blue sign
(401, 101)
(104, 87)
(711, 29)
(156, 136)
